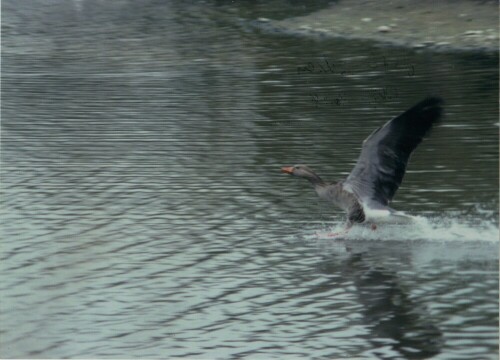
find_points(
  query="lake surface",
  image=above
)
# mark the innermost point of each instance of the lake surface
(144, 214)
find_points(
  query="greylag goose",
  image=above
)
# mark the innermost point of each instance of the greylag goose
(381, 166)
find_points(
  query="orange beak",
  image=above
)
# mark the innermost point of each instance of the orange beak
(287, 170)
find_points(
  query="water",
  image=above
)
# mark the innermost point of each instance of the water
(144, 214)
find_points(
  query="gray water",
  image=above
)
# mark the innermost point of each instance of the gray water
(144, 214)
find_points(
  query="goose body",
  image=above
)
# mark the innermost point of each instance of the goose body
(380, 167)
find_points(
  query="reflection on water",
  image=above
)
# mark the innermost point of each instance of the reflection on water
(399, 326)
(144, 215)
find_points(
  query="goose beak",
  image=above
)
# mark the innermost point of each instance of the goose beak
(287, 170)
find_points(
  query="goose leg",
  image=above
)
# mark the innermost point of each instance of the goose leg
(343, 232)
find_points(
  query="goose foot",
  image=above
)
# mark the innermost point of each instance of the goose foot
(343, 232)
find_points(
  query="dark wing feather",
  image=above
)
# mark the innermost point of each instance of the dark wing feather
(382, 164)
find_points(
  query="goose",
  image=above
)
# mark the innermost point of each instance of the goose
(380, 168)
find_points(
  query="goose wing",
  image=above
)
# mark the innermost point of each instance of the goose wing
(382, 163)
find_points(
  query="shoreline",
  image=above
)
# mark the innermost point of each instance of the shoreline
(439, 26)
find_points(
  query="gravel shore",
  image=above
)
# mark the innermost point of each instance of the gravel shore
(439, 25)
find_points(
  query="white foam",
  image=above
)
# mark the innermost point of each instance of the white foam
(444, 228)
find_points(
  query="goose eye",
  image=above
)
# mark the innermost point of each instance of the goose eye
(297, 167)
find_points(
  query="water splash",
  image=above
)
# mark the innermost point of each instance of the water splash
(480, 226)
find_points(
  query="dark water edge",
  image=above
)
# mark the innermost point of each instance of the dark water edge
(144, 214)
(459, 26)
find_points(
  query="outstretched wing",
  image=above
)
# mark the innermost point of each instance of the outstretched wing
(382, 164)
